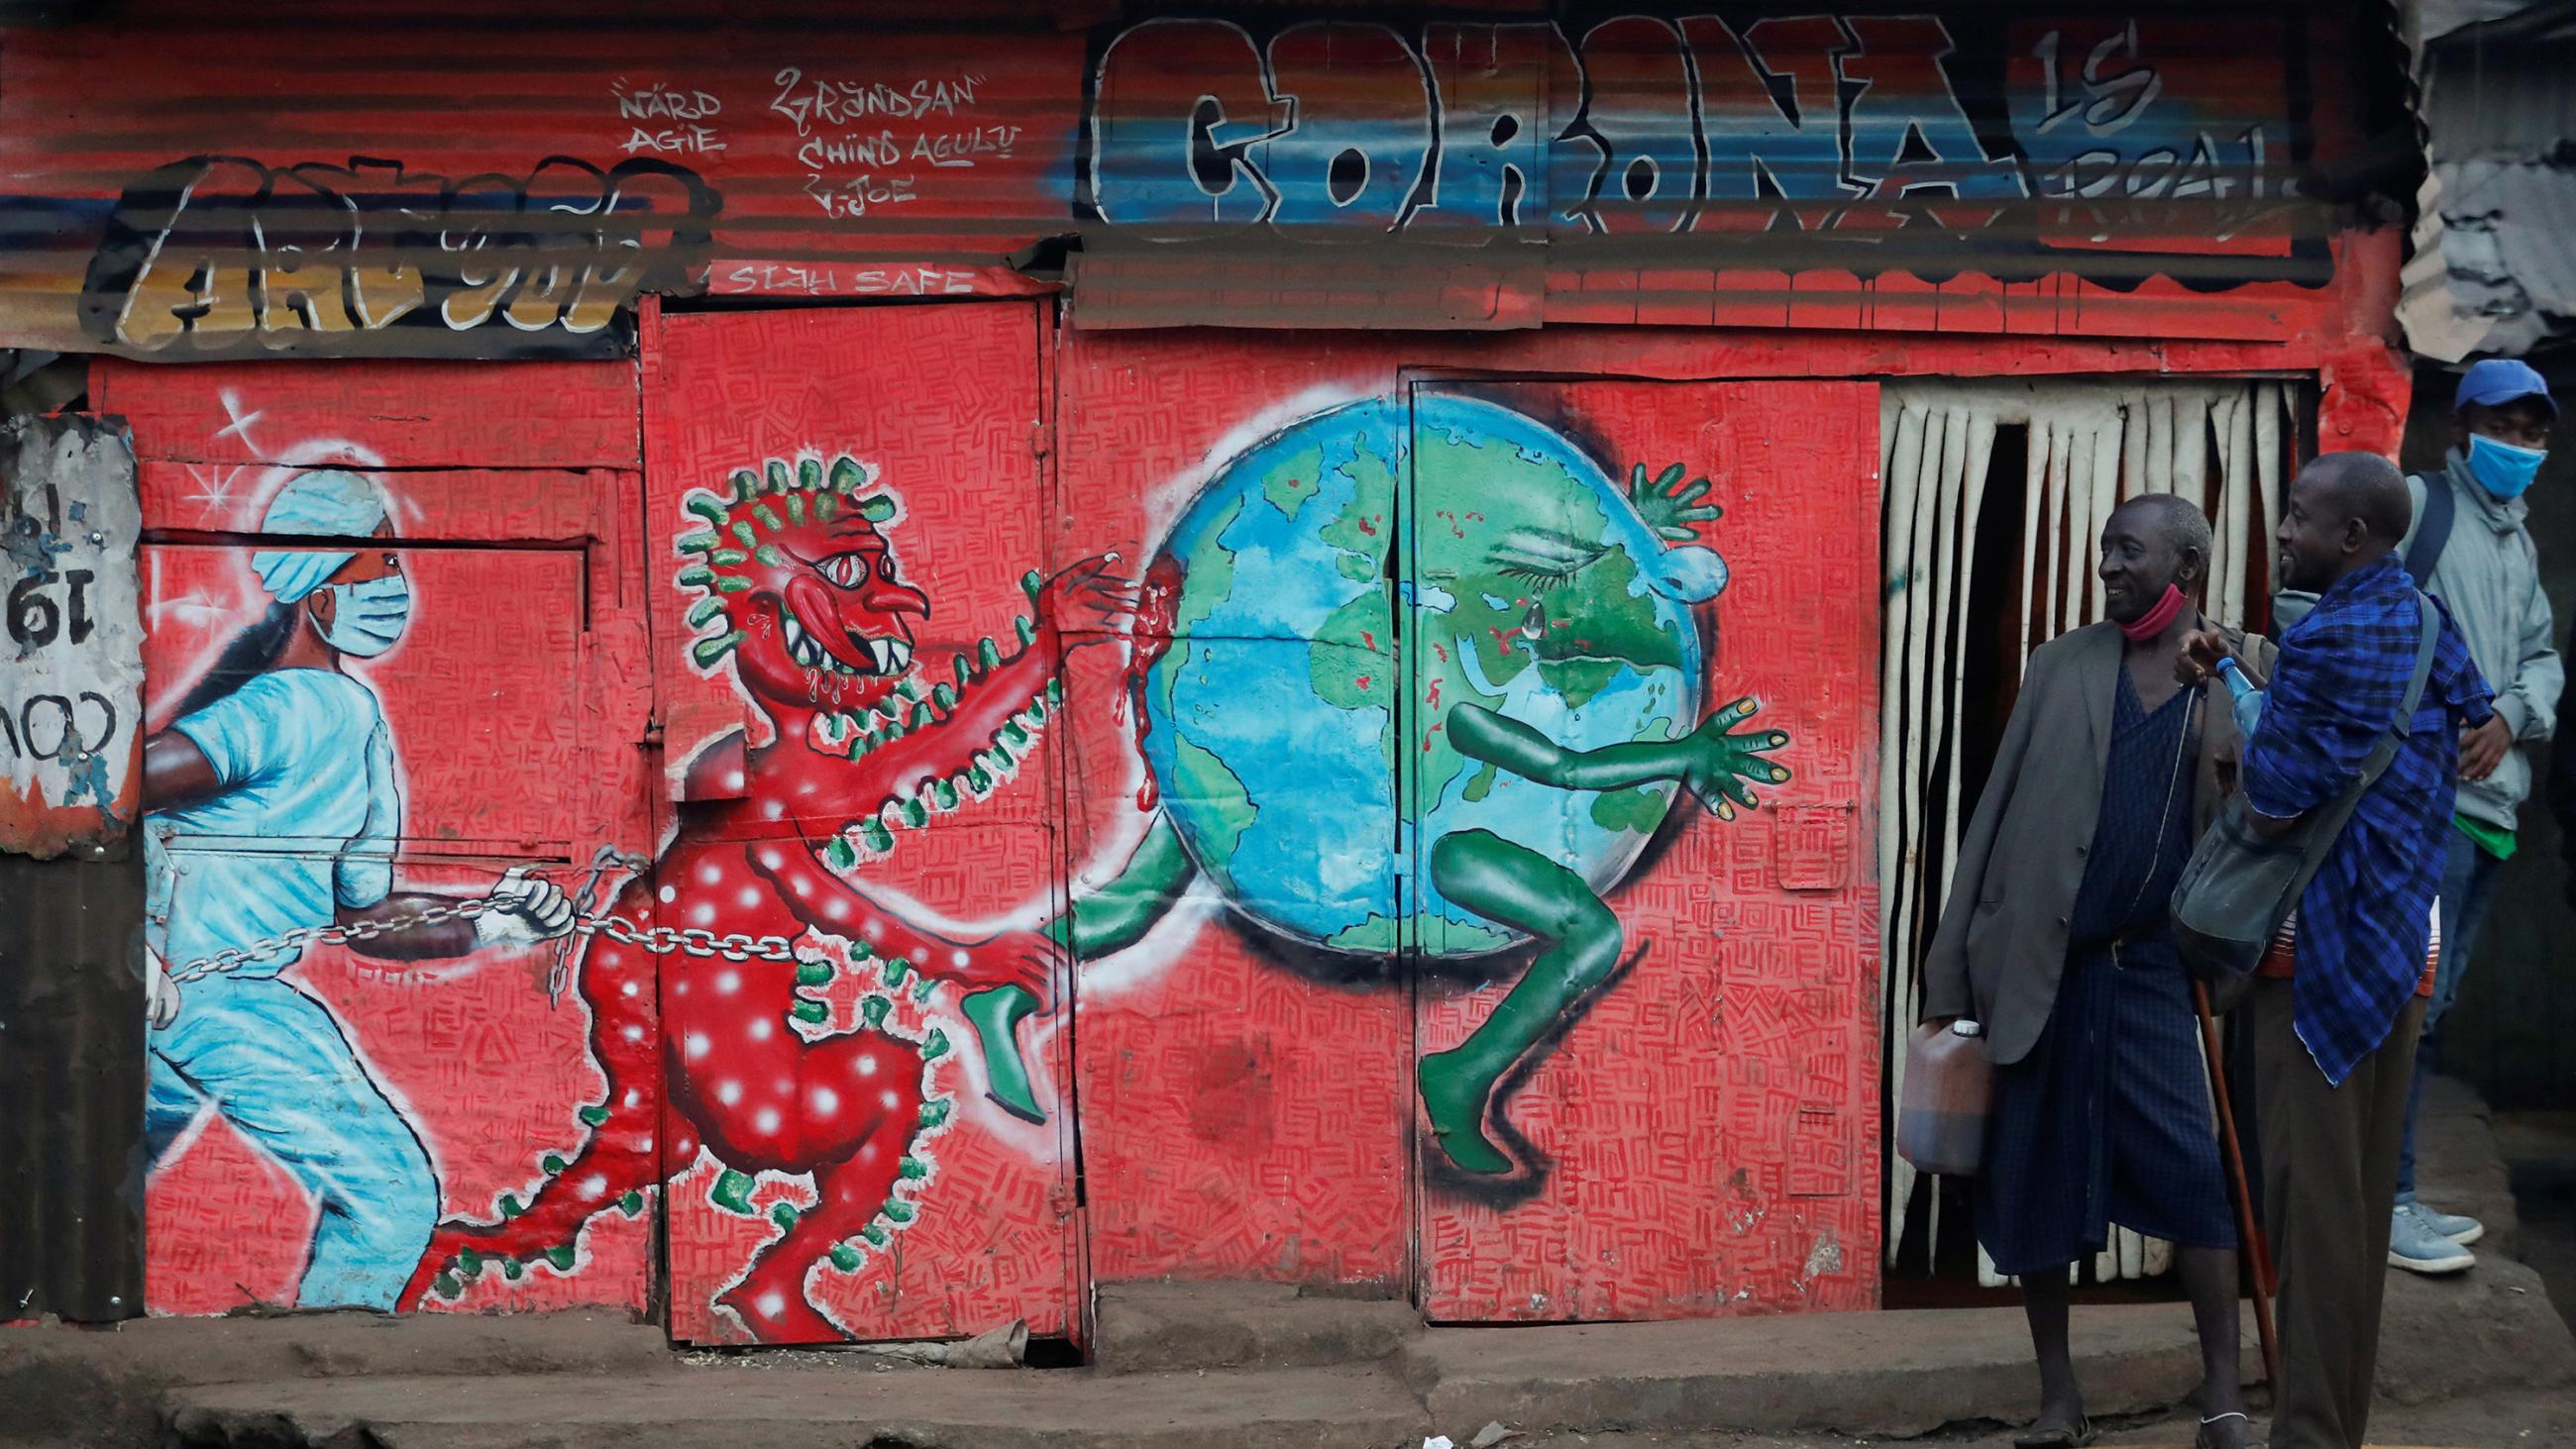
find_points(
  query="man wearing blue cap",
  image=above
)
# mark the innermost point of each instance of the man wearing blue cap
(2469, 548)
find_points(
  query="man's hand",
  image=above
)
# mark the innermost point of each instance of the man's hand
(1720, 761)
(2483, 747)
(2201, 651)
(160, 994)
(524, 911)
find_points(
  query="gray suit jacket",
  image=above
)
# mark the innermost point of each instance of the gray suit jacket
(2001, 944)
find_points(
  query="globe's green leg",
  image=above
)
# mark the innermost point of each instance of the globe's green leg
(1520, 888)
(1108, 920)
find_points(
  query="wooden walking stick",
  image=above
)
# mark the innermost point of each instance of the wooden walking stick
(2257, 1250)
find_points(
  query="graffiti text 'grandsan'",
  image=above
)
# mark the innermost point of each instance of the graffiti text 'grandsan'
(225, 250)
(1642, 125)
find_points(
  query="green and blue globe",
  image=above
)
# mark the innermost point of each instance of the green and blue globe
(1295, 732)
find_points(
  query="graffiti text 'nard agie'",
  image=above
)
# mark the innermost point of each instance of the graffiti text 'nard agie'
(226, 250)
(1641, 125)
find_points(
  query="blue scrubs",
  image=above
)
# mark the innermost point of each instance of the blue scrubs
(305, 823)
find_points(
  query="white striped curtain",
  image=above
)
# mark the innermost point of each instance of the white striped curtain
(2091, 446)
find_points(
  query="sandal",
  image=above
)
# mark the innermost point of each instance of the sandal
(2046, 1435)
(2203, 1439)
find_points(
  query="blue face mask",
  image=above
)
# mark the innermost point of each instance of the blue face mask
(2501, 468)
(367, 618)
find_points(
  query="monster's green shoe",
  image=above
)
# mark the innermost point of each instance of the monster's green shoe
(996, 1016)
(1454, 1094)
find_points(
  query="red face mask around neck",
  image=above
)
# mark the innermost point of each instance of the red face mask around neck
(2153, 622)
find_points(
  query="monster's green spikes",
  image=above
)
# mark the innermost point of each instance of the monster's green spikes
(877, 509)
(979, 781)
(1030, 584)
(552, 1164)
(897, 1210)
(697, 542)
(777, 479)
(915, 814)
(1013, 733)
(732, 1192)
(470, 1263)
(912, 1169)
(879, 838)
(1028, 631)
(1055, 694)
(768, 516)
(847, 475)
(988, 655)
(745, 484)
(826, 507)
(697, 578)
(446, 1286)
(934, 1113)
(839, 854)
(728, 557)
(796, 508)
(784, 1214)
(742, 530)
(708, 651)
(595, 1115)
(770, 556)
(921, 716)
(864, 744)
(706, 506)
(965, 672)
(922, 988)
(935, 1045)
(704, 610)
(944, 697)
(814, 1012)
(731, 584)
(1037, 710)
(874, 1233)
(632, 1204)
(943, 794)
(896, 969)
(811, 972)
(861, 950)
(846, 1258)
(908, 687)
(511, 1270)
(561, 1256)
(873, 1010)
(510, 1206)
(809, 474)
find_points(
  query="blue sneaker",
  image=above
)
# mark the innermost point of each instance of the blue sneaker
(2415, 1247)
(2458, 1227)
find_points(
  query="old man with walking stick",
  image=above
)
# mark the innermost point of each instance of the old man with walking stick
(2056, 939)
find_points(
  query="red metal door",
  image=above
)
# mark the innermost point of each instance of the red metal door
(1645, 1028)
(316, 1116)
(867, 1134)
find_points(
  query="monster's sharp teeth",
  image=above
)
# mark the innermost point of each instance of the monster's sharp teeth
(883, 650)
(902, 654)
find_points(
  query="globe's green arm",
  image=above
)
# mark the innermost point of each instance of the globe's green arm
(1709, 762)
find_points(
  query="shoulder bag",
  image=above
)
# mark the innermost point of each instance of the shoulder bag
(2240, 887)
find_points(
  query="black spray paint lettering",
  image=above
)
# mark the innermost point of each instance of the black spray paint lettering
(48, 727)
(224, 250)
(36, 618)
(1350, 124)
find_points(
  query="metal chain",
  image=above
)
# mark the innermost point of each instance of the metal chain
(661, 940)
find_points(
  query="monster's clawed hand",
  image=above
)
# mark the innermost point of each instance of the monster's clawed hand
(1087, 600)
(1720, 761)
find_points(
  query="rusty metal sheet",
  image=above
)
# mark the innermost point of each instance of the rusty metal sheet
(71, 701)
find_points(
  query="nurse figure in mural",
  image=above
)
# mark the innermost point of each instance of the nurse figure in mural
(275, 802)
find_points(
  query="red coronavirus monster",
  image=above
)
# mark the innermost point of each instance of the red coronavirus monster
(803, 596)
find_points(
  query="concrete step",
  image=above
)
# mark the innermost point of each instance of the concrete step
(1152, 1325)
(1880, 1374)
(831, 1407)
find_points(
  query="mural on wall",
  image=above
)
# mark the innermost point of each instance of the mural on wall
(371, 805)
(1638, 168)
(801, 595)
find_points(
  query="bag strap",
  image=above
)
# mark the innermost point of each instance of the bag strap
(2338, 812)
(2433, 530)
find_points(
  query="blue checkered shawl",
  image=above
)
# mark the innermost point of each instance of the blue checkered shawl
(2339, 681)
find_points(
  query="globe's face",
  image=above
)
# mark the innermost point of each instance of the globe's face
(1530, 587)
